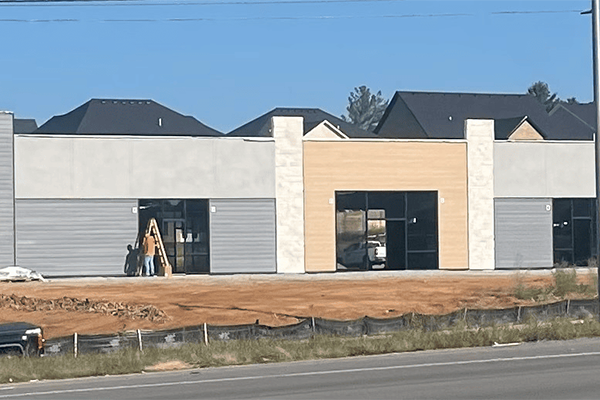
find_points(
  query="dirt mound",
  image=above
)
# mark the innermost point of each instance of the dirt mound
(117, 309)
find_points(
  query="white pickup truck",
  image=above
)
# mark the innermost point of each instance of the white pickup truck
(354, 255)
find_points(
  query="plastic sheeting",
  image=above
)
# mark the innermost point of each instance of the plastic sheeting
(318, 326)
(18, 274)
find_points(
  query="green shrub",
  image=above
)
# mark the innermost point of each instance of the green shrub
(565, 282)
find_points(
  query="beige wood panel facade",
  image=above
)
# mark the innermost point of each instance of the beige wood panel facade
(384, 165)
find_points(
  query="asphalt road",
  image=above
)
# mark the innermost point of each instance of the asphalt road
(546, 370)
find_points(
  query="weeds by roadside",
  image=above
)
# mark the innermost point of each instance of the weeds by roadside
(265, 351)
(565, 283)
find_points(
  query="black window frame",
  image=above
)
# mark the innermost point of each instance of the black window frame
(405, 218)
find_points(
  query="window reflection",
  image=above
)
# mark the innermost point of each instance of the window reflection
(386, 230)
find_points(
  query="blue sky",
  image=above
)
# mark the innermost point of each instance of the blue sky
(226, 64)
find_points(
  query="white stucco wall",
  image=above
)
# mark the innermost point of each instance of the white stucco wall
(544, 169)
(480, 161)
(288, 134)
(62, 167)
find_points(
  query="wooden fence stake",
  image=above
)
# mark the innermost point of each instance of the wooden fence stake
(205, 328)
(139, 335)
(75, 344)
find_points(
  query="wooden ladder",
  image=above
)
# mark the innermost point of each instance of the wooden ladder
(165, 265)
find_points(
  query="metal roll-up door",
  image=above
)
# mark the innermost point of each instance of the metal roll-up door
(75, 237)
(7, 226)
(242, 236)
(523, 233)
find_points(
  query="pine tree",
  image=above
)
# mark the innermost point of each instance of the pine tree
(365, 109)
(541, 92)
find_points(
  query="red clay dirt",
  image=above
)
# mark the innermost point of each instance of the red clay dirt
(272, 300)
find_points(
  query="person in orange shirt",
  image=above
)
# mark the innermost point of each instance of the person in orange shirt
(149, 247)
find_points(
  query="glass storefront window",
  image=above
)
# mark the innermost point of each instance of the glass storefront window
(184, 230)
(386, 230)
(573, 230)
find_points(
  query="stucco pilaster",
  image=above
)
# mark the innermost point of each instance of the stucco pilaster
(289, 189)
(480, 167)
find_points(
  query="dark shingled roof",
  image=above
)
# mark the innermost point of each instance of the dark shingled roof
(24, 125)
(417, 115)
(260, 127)
(585, 111)
(503, 128)
(125, 117)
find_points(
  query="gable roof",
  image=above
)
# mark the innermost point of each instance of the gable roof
(585, 111)
(24, 125)
(504, 128)
(125, 117)
(325, 130)
(261, 126)
(416, 115)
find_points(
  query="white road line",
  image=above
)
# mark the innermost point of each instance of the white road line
(298, 374)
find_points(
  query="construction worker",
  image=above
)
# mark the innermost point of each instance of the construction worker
(149, 247)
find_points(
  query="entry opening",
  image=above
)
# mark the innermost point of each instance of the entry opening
(184, 228)
(386, 230)
(573, 230)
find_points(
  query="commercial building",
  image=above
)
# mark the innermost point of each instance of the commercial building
(446, 181)
(530, 172)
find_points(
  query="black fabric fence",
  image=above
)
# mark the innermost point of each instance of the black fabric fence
(306, 328)
(59, 346)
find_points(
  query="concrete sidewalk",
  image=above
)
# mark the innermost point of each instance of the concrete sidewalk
(333, 276)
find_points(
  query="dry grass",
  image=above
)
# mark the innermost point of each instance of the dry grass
(266, 351)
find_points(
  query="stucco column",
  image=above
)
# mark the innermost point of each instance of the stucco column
(7, 199)
(289, 192)
(480, 167)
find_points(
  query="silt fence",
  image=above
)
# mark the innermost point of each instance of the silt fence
(308, 327)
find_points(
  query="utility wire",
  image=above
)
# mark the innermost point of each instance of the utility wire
(536, 12)
(321, 17)
(137, 3)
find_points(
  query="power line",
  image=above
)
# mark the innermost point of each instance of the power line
(137, 3)
(536, 12)
(275, 18)
(321, 17)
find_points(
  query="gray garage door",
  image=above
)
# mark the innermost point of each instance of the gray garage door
(242, 235)
(523, 233)
(75, 237)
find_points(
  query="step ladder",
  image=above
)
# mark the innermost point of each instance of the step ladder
(165, 268)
